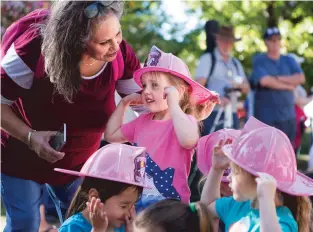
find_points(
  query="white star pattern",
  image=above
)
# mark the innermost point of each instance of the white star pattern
(162, 180)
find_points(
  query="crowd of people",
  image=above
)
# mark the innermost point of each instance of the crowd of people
(67, 65)
(274, 90)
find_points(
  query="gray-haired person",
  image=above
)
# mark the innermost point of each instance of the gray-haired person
(59, 66)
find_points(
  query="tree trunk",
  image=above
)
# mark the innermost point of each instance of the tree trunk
(272, 20)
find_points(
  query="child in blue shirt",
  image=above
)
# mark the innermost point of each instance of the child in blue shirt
(113, 182)
(268, 192)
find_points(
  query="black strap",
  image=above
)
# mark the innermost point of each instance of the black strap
(213, 62)
(236, 64)
(193, 171)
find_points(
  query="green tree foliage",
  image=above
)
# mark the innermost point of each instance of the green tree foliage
(143, 21)
(144, 25)
(250, 18)
(14, 10)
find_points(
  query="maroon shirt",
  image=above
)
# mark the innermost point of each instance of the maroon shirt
(25, 85)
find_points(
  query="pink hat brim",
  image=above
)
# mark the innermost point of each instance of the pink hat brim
(75, 173)
(301, 186)
(204, 162)
(204, 159)
(199, 93)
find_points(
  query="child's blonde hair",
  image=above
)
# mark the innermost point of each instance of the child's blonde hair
(187, 105)
(300, 206)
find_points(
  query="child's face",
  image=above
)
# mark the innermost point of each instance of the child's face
(153, 91)
(242, 184)
(118, 207)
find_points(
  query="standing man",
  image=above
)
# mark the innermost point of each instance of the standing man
(275, 76)
(219, 70)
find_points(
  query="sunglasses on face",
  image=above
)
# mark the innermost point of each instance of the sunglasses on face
(93, 10)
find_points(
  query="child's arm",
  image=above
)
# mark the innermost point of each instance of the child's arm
(113, 132)
(266, 191)
(186, 130)
(211, 189)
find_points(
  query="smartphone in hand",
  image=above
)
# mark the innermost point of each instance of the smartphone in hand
(58, 141)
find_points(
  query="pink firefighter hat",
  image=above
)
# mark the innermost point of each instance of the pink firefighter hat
(206, 145)
(116, 162)
(159, 61)
(261, 148)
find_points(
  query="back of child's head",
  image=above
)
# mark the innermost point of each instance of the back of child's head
(300, 206)
(105, 188)
(172, 215)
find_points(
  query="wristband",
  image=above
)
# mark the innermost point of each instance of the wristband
(29, 137)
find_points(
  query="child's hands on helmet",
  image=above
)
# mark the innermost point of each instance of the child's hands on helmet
(219, 159)
(97, 215)
(266, 186)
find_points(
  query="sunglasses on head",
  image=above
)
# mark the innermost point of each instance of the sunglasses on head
(93, 10)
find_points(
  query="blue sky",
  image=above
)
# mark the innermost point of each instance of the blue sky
(176, 10)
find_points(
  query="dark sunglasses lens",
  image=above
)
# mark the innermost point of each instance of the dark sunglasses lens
(106, 3)
(91, 11)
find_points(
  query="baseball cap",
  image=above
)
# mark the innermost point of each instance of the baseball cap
(269, 32)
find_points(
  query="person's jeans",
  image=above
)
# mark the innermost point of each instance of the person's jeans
(50, 210)
(208, 123)
(289, 127)
(22, 199)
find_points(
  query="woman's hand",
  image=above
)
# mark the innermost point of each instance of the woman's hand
(219, 159)
(133, 99)
(39, 142)
(97, 215)
(266, 186)
(129, 220)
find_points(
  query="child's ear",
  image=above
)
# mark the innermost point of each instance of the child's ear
(92, 193)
